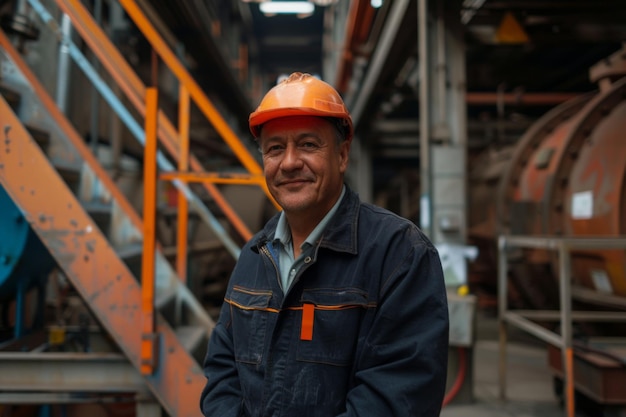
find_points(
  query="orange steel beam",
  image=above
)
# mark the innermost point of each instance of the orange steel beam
(148, 336)
(92, 265)
(68, 130)
(134, 89)
(183, 165)
(213, 177)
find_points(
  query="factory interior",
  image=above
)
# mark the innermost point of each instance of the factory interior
(129, 182)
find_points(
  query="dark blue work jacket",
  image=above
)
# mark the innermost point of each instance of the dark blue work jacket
(363, 330)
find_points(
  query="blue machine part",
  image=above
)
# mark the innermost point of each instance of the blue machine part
(15, 231)
(24, 260)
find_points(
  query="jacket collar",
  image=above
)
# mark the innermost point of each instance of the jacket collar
(341, 233)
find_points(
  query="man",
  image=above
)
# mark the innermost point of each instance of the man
(336, 308)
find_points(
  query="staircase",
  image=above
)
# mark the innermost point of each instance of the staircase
(93, 232)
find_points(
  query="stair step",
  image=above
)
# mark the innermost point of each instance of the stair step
(191, 337)
(69, 172)
(41, 176)
(42, 137)
(131, 255)
(195, 247)
(165, 300)
(12, 97)
(100, 213)
(130, 251)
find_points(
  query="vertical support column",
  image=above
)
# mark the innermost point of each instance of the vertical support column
(183, 166)
(443, 122)
(565, 269)
(118, 24)
(63, 71)
(443, 146)
(360, 170)
(148, 337)
(94, 131)
(424, 53)
(502, 309)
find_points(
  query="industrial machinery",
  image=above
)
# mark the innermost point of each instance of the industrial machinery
(19, 274)
(565, 178)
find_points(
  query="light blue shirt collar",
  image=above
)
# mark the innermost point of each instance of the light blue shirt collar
(283, 233)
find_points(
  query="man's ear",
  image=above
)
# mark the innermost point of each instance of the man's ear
(344, 154)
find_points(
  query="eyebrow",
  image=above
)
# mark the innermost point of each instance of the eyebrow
(299, 136)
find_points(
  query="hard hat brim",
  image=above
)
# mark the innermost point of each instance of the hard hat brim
(259, 118)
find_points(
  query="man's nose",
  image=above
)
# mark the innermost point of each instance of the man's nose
(291, 158)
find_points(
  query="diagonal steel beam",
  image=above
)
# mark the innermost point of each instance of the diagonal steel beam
(92, 265)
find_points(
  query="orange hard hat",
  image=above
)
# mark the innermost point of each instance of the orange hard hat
(301, 95)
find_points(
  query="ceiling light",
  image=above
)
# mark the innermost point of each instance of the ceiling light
(376, 3)
(287, 7)
(324, 3)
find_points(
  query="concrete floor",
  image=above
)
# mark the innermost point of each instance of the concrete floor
(530, 391)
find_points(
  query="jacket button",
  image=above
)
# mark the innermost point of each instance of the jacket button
(307, 259)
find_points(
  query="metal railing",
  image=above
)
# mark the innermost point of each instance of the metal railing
(178, 378)
(525, 319)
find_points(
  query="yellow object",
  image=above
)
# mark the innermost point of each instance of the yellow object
(300, 95)
(510, 31)
(463, 290)
(56, 336)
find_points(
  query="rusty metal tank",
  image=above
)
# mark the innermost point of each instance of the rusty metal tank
(565, 177)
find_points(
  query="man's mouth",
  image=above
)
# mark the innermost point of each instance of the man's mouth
(294, 181)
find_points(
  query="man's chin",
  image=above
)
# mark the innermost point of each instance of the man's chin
(293, 205)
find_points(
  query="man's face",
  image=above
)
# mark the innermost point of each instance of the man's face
(303, 164)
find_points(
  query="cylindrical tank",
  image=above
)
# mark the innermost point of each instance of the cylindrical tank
(24, 260)
(595, 193)
(565, 177)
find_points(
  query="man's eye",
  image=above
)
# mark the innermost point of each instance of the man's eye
(273, 149)
(309, 145)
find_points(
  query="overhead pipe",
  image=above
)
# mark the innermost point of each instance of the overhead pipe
(424, 119)
(360, 18)
(519, 99)
(379, 59)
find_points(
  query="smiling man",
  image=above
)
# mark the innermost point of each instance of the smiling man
(337, 307)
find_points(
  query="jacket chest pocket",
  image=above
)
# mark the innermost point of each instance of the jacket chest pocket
(336, 319)
(249, 312)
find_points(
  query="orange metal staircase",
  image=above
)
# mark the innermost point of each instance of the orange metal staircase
(44, 166)
(94, 263)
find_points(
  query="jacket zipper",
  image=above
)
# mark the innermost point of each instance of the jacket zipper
(267, 253)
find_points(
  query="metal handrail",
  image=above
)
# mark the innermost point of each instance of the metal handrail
(134, 89)
(523, 319)
(195, 92)
(70, 132)
(135, 129)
